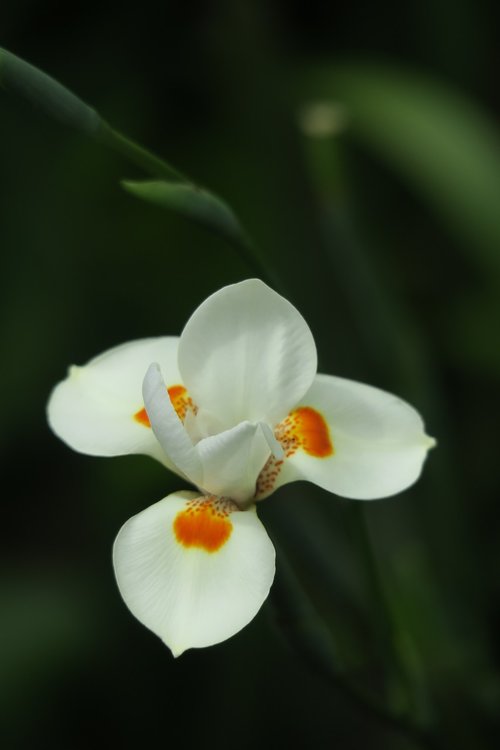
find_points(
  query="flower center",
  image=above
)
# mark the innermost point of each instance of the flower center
(181, 402)
(205, 523)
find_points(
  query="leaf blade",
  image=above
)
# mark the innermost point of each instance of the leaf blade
(435, 138)
(45, 93)
(193, 203)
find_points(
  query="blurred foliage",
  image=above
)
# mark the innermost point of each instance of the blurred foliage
(358, 147)
(193, 203)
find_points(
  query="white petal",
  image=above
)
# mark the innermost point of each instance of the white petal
(93, 409)
(274, 446)
(190, 596)
(232, 461)
(378, 442)
(167, 426)
(247, 354)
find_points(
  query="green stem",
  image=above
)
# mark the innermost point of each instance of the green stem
(48, 95)
(382, 334)
(310, 637)
(45, 93)
(159, 168)
(138, 155)
(402, 690)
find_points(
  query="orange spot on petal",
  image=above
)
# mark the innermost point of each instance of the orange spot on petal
(204, 524)
(312, 432)
(141, 416)
(176, 392)
(304, 429)
(180, 401)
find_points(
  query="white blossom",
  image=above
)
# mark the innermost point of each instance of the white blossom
(236, 407)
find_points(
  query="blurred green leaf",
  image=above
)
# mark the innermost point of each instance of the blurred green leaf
(181, 196)
(45, 93)
(472, 327)
(173, 190)
(308, 634)
(439, 141)
(191, 202)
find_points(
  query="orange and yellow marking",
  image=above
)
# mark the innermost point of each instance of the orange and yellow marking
(304, 429)
(180, 401)
(204, 523)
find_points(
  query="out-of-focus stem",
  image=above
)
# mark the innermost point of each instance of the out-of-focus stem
(138, 155)
(45, 93)
(310, 637)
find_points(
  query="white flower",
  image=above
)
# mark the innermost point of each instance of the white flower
(234, 406)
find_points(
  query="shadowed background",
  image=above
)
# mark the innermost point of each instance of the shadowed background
(359, 147)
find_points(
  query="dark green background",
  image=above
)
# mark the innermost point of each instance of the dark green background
(394, 260)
